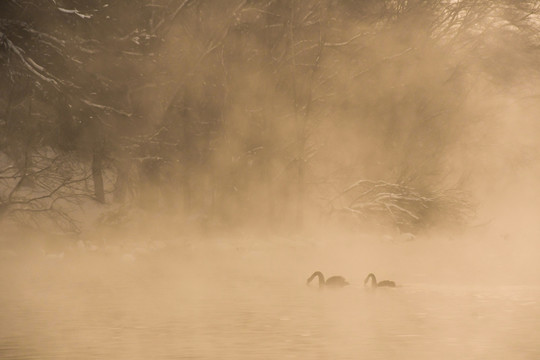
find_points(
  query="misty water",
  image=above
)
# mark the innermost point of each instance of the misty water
(238, 304)
(395, 137)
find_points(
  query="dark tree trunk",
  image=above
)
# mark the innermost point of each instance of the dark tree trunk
(120, 187)
(187, 153)
(97, 175)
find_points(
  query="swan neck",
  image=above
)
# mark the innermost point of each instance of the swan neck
(320, 276)
(373, 279)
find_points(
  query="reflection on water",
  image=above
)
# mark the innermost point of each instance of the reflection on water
(69, 310)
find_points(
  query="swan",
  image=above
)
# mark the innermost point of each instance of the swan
(333, 281)
(375, 284)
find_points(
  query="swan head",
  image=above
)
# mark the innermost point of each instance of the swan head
(316, 274)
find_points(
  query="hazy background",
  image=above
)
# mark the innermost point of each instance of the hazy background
(271, 115)
(231, 148)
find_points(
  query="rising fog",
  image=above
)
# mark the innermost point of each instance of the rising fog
(219, 144)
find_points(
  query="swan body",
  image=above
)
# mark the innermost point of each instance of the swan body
(332, 282)
(375, 284)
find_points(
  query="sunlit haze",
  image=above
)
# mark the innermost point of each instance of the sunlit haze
(188, 179)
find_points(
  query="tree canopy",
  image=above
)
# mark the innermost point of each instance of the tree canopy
(267, 112)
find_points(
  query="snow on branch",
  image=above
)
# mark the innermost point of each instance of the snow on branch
(75, 12)
(30, 64)
(106, 108)
(403, 204)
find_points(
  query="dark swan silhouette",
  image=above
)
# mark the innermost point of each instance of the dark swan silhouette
(332, 282)
(375, 284)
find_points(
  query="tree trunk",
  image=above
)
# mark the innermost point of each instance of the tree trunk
(97, 175)
(299, 123)
(120, 187)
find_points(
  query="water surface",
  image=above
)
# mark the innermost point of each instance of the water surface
(114, 309)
